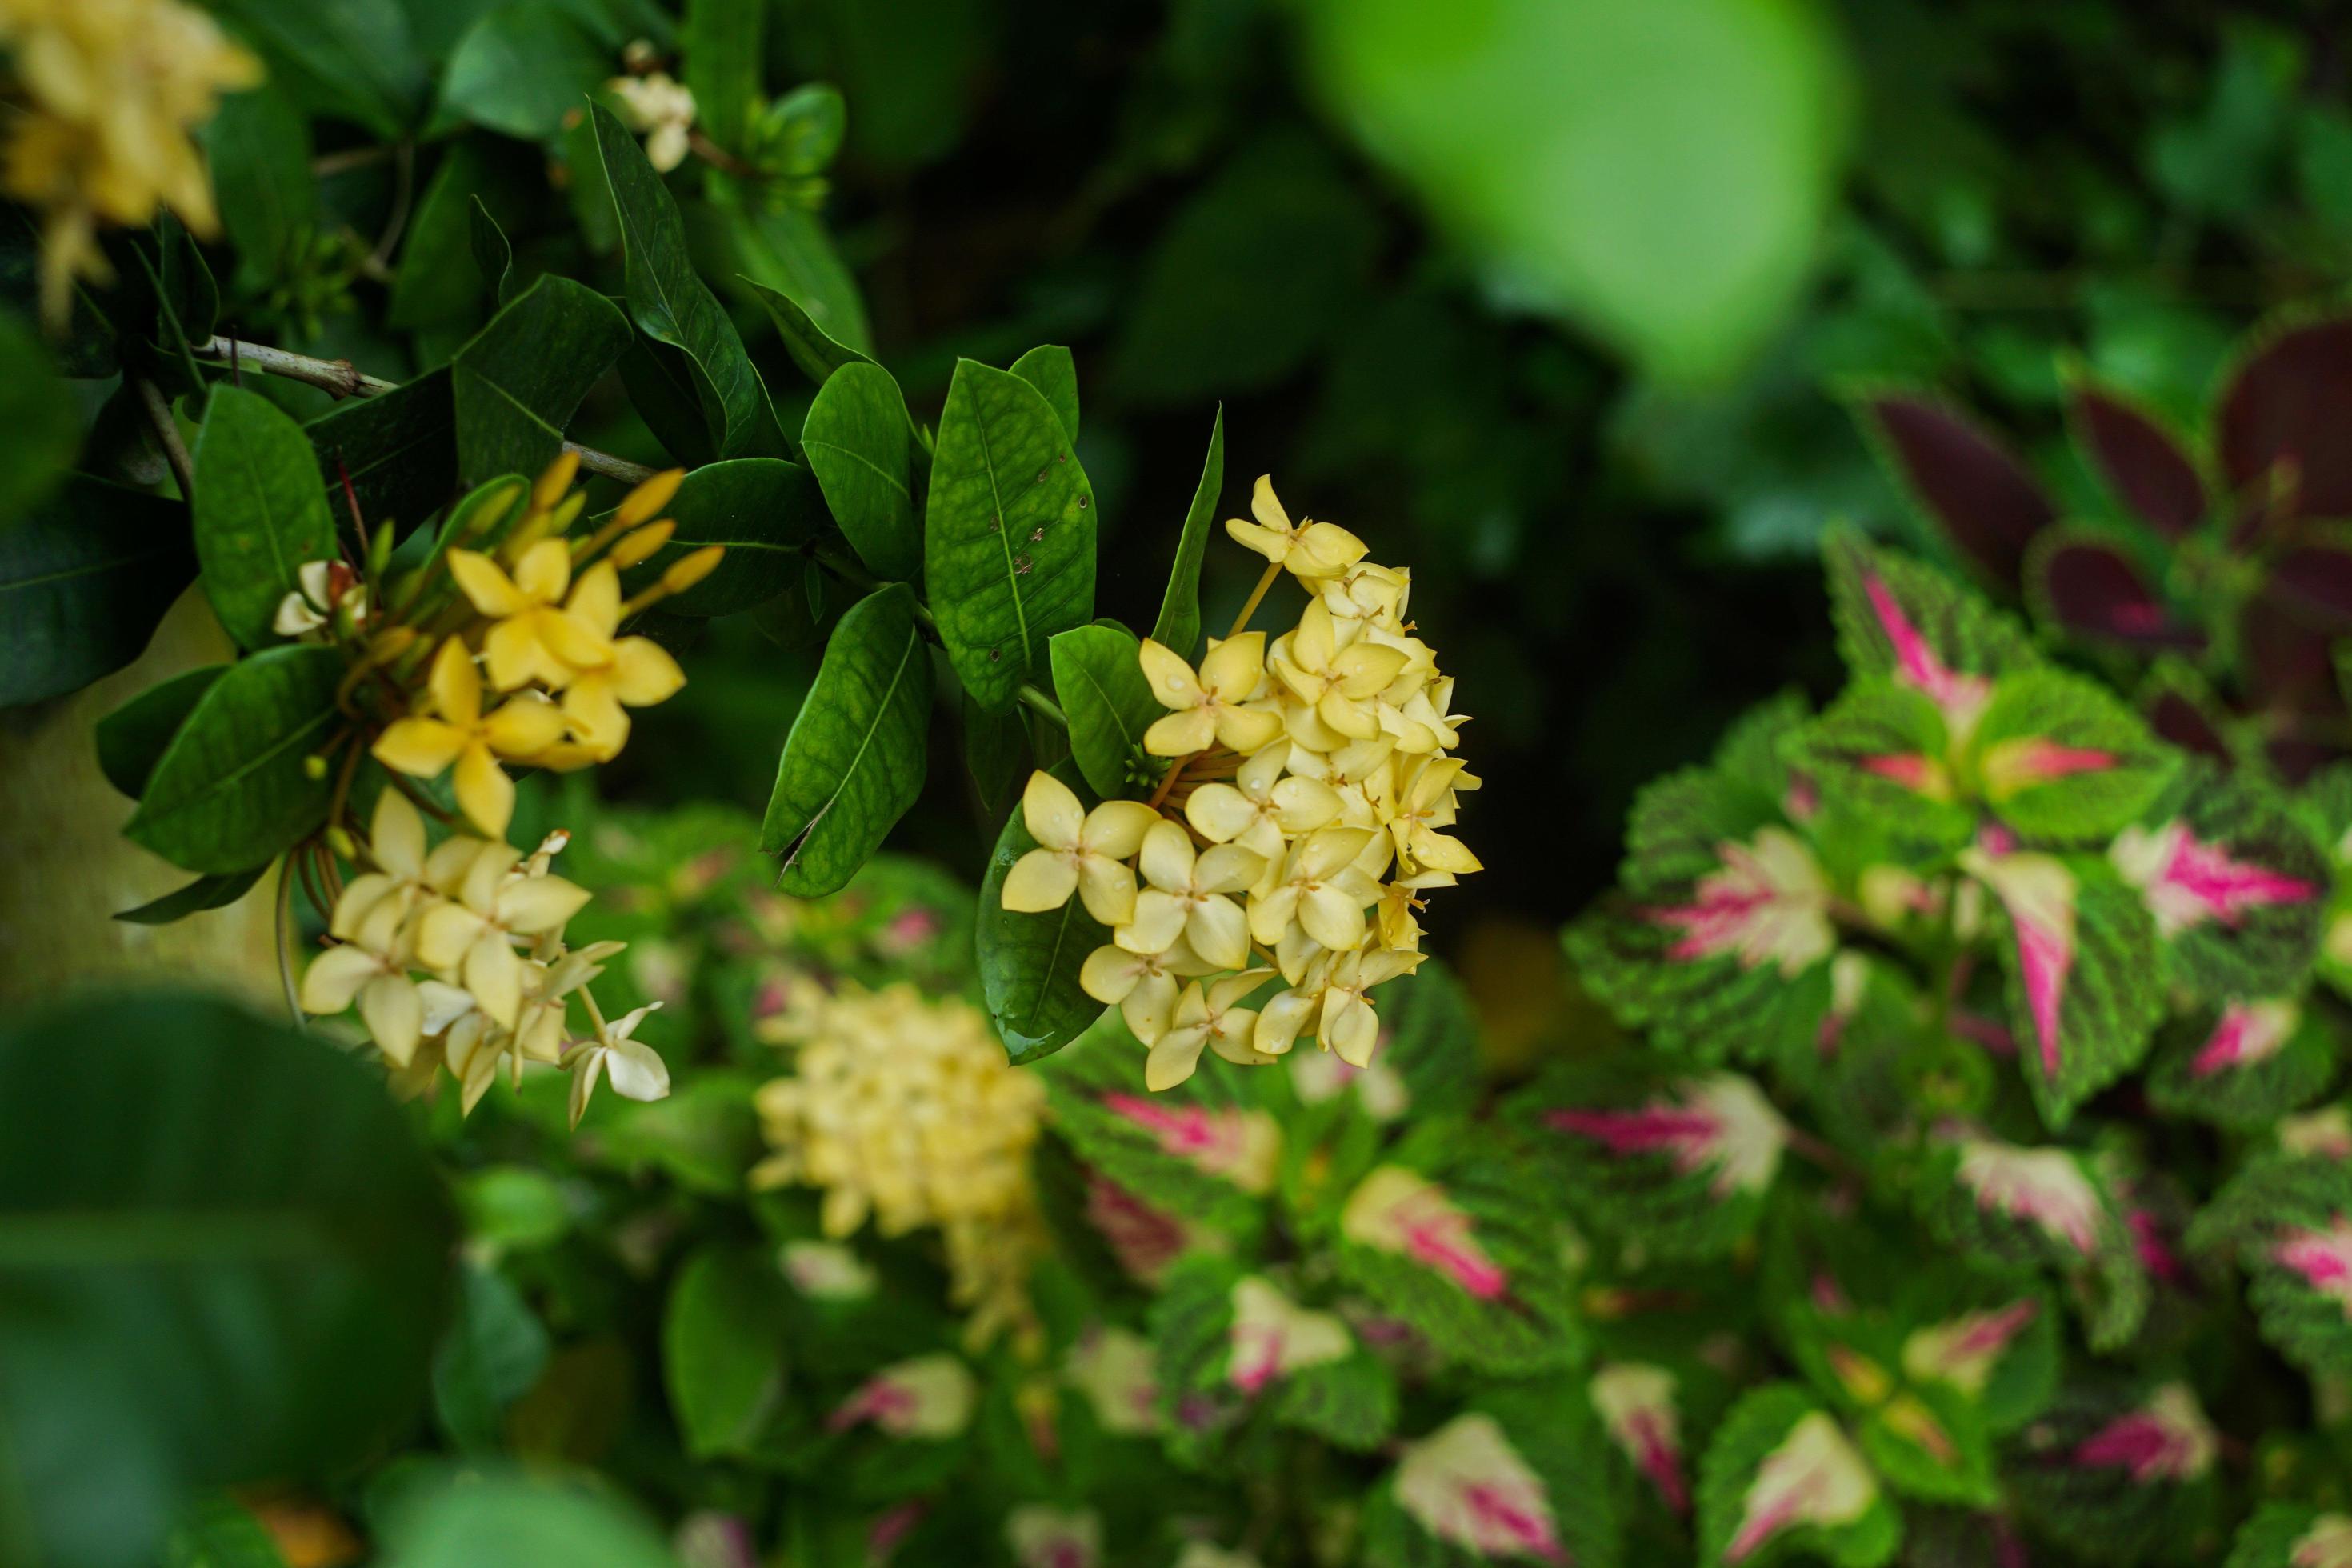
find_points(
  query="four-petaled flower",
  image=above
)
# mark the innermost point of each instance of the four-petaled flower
(423, 747)
(636, 1069)
(1308, 550)
(1077, 851)
(1210, 708)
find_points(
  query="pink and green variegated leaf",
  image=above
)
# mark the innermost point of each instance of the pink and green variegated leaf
(1882, 755)
(1235, 1345)
(1900, 620)
(2282, 414)
(2078, 952)
(2293, 1535)
(1469, 1256)
(1991, 1337)
(1967, 485)
(1206, 1149)
(1751, 755)
(2087, 587)
(1782, 1480)
(2235, 880)
(2242, 1065)
(1925, 1440)
(1675, 833)
(2121, 1472)
(2045, 1208)
(2061, 762)
(1960, 1538)
(1518, 1477)
(1680, 1161)
(2288, 1222)
(2152, 471)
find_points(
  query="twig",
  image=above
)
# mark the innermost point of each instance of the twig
(337, 377)
(611, 467)
(167, 432)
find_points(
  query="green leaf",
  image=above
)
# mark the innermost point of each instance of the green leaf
(520, 69)
(763, 509)
(781, 246)
(720, 42)
(1179, 625)
(1905, 621)
(514, 1207)
(231, 790)
(2115, 1512)
(131, 739)
(1881, 752)
(800, 134)
(858, 440)
(1055, 373)
(492, 254)
(259, 512)
(399, 448)
(219, 1533)
(993, 750)
(1756, 1428)
(2104, 1008)
(854, 762)
(490, 1356)
(2275, 1536)
(1009, 532)
(1099, 675)
(223, 1254)
(2061, 761)
(353, 59)
(519, 380)
(204, 894)
(1546, 1426)
(1659, 174)
(724, 1335)
(2244, 1064)
(83, 580)
(536, 1525)
(1029, 963)
(39, 428)
(816, 352)
(1203, 1151)
(258, 148)
(2285, 1220)
(438, 283)
(2237, 880)
(672, 305)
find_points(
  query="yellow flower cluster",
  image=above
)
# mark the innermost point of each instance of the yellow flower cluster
(903, 1107)
(455, 958)
(110, 91)
(1294, 832)
(455, 954)
(549, 607)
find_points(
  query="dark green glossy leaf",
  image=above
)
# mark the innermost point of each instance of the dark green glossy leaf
(440, 284)
(854, 762)
(1029, 963)
(724, 1337)
(993, 750)
(399, 450)
(223, 1256)
(720, 43)
(1008, 534)
(1099, 675)
(258, 147)
(354, 59)
(1052, 372)
(259, 511)
(1179, 625)
(672, 305)
(83, 580)
(811, 349)
(763, 509)
(231, 790)
(492, 254)
(518, 381)
(204, 894)
(133, 739)
(520, 69)
(856, 440)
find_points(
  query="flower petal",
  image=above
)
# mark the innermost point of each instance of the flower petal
(1050, 810)
(1108, 887)
(421, 748)
(1040, 881)
(484, 792)
(394, 1015)
(1173, 1060)
(333, 979)
(1173, 682)
(480, 580)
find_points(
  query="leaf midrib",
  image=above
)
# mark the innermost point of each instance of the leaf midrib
(864, 743)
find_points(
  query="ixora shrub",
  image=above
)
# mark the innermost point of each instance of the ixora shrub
(2048, 1006)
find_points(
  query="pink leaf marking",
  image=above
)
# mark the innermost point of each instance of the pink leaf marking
(2248, 1032)
(2167, 1439)
(2322, 1257)
(2156, 1253)
(879, 1399)
(893, 1528)
(1659, 1461)
(1961, 697)
(2034, 761)
(2045, 956)
(1498, 1517)
(1989, 1333)
(2229, 887)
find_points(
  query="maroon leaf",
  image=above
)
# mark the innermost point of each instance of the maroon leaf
(2312, 582)
(2180, 710)
(2288, 664)
(1966, 482)
(2145, 466)
(2288, 406)
(2093, 589)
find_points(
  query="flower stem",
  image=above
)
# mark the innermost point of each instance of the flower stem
(1257, 595)
(167, 434)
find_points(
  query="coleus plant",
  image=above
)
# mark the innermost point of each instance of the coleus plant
(2206, 569)
(1990, 1030)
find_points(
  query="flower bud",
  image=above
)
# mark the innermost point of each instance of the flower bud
(554, 480)
(341, 842)
(640, 545)
(314, 767)
(691, 569)
(649, 498)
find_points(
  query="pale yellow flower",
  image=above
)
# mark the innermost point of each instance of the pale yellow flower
(1210, 708)
(1309, 550)
(537, 638)
(1337, 676)
(472, 936)
(1141, 985)
(1077, 851)
(1188, 897)
(1207, 1018)
(423, 747)
(377, 978)
(1320, 888)
(662, 110)
(636, 1069)
(1262, 810)
(638, 673)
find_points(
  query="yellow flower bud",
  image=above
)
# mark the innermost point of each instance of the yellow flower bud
(649, 498)
(692, 569)
(640, 545)
(554, 481)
